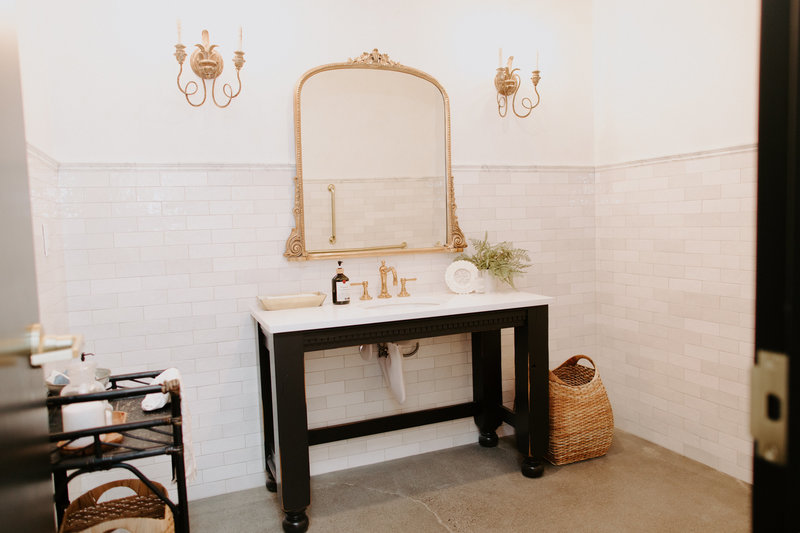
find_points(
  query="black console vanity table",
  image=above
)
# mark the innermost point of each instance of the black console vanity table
(284, 336)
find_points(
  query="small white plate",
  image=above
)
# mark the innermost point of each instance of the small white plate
(461, 277)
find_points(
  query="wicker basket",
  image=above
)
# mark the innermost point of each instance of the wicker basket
(143, 513)
(581, 421)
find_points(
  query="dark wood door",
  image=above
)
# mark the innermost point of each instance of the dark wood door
(26, 491)
(775, 416)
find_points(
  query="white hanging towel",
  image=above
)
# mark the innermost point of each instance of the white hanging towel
(392, 367)
(158, 400)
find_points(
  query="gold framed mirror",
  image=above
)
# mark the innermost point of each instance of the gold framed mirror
(372, 145)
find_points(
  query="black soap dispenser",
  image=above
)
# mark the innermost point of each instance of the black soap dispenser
(340, 287)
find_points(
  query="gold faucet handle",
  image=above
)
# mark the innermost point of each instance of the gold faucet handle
(403, 291)
(365, 293)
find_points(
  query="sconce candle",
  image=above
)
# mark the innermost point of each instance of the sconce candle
(179, 31)
(207, 64)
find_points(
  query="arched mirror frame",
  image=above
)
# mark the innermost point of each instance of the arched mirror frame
(296, 243)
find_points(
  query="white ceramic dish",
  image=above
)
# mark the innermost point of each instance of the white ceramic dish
(292, 301)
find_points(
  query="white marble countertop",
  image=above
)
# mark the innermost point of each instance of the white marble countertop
(375, 311)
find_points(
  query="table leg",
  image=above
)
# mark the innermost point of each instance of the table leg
(290, 428)
(61, 493)
(532, 387)
(487, 389)
(266, 407)
(178, 465)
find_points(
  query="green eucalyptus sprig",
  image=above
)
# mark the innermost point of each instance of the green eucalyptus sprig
(502, 260)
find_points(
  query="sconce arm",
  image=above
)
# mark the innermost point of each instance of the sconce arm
(227, 90)
(188, 90)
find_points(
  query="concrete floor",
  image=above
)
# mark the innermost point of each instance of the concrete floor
(636, 487)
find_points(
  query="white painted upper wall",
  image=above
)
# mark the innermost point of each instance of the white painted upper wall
(99, 75)
(674, 77)
(622, 80)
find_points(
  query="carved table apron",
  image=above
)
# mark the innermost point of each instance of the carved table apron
(286, 433)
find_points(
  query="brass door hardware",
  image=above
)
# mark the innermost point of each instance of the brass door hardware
(49, 348)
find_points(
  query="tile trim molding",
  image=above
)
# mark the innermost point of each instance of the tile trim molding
(523, 168)
(742, 148)
(175, 166)
(42, 156)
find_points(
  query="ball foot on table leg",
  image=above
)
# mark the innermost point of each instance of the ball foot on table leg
(295, 522)
(488, 439)
(532, 467)
(271, 485)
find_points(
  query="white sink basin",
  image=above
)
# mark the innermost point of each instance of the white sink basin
(403, 303)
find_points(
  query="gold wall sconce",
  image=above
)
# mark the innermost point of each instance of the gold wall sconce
(207, 64)
(507, 83)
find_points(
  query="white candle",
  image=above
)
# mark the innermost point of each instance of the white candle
(179, 31)
(500, 57)
(240, 39)
(537, 59)
(83, 415)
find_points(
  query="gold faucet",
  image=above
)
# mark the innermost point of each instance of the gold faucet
(385, 270)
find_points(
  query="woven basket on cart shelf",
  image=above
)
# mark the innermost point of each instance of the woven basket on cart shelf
(143, 513)
(581, 421)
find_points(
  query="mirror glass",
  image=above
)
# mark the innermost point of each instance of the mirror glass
(373, 170)
(377, 137)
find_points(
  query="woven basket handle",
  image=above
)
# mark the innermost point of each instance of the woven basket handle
(572, 361)
(90, 498)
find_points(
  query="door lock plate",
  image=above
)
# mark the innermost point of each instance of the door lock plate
(769, 406)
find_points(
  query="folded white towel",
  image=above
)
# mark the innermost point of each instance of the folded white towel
(392, 367)
(158, 400)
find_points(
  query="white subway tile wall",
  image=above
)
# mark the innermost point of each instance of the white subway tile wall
(161, 267)
(676, 302)
(48, 233)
